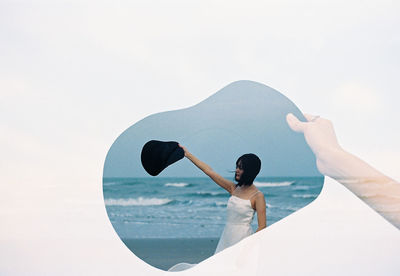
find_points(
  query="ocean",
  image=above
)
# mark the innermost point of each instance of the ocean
(193, 207)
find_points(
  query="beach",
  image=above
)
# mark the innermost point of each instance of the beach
(164, 253)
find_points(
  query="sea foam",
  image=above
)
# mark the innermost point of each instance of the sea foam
(182, 184)
(208, 194)
(273, 184)
(110, 183)
(141, 201)
(305, 196)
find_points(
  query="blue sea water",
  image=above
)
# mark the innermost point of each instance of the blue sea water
(193, 207)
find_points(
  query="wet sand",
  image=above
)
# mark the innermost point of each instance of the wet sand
(164, 253)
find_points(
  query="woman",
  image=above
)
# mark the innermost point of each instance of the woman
(245, 198)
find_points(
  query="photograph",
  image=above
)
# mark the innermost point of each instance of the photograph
(180, 215)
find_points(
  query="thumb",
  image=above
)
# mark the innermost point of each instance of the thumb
(310, 117)
(294, 123)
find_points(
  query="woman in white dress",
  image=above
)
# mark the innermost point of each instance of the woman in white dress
(245, 198)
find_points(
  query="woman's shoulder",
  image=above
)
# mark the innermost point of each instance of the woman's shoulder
(257, 194)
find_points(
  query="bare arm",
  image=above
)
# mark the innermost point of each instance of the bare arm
(261, 212)
(221, 181)
(377, 190)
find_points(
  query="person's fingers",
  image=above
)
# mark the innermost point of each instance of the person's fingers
(309, 117)
(294, 123)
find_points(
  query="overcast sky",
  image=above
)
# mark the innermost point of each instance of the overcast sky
(75, 75)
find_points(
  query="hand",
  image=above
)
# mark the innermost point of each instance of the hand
(320, 136)
(379, 191)
(184, 150)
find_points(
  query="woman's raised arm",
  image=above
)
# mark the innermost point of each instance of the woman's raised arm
(221, 181)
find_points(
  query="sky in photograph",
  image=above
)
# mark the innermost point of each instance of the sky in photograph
(243, 117)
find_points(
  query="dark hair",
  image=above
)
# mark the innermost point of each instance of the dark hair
(251, 166)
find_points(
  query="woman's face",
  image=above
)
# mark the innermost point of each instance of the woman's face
(239, 171)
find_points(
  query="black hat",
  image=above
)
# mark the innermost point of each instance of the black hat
(157, 155)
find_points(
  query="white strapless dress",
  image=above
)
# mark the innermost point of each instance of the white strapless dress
(239, 217)
(240, 214)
